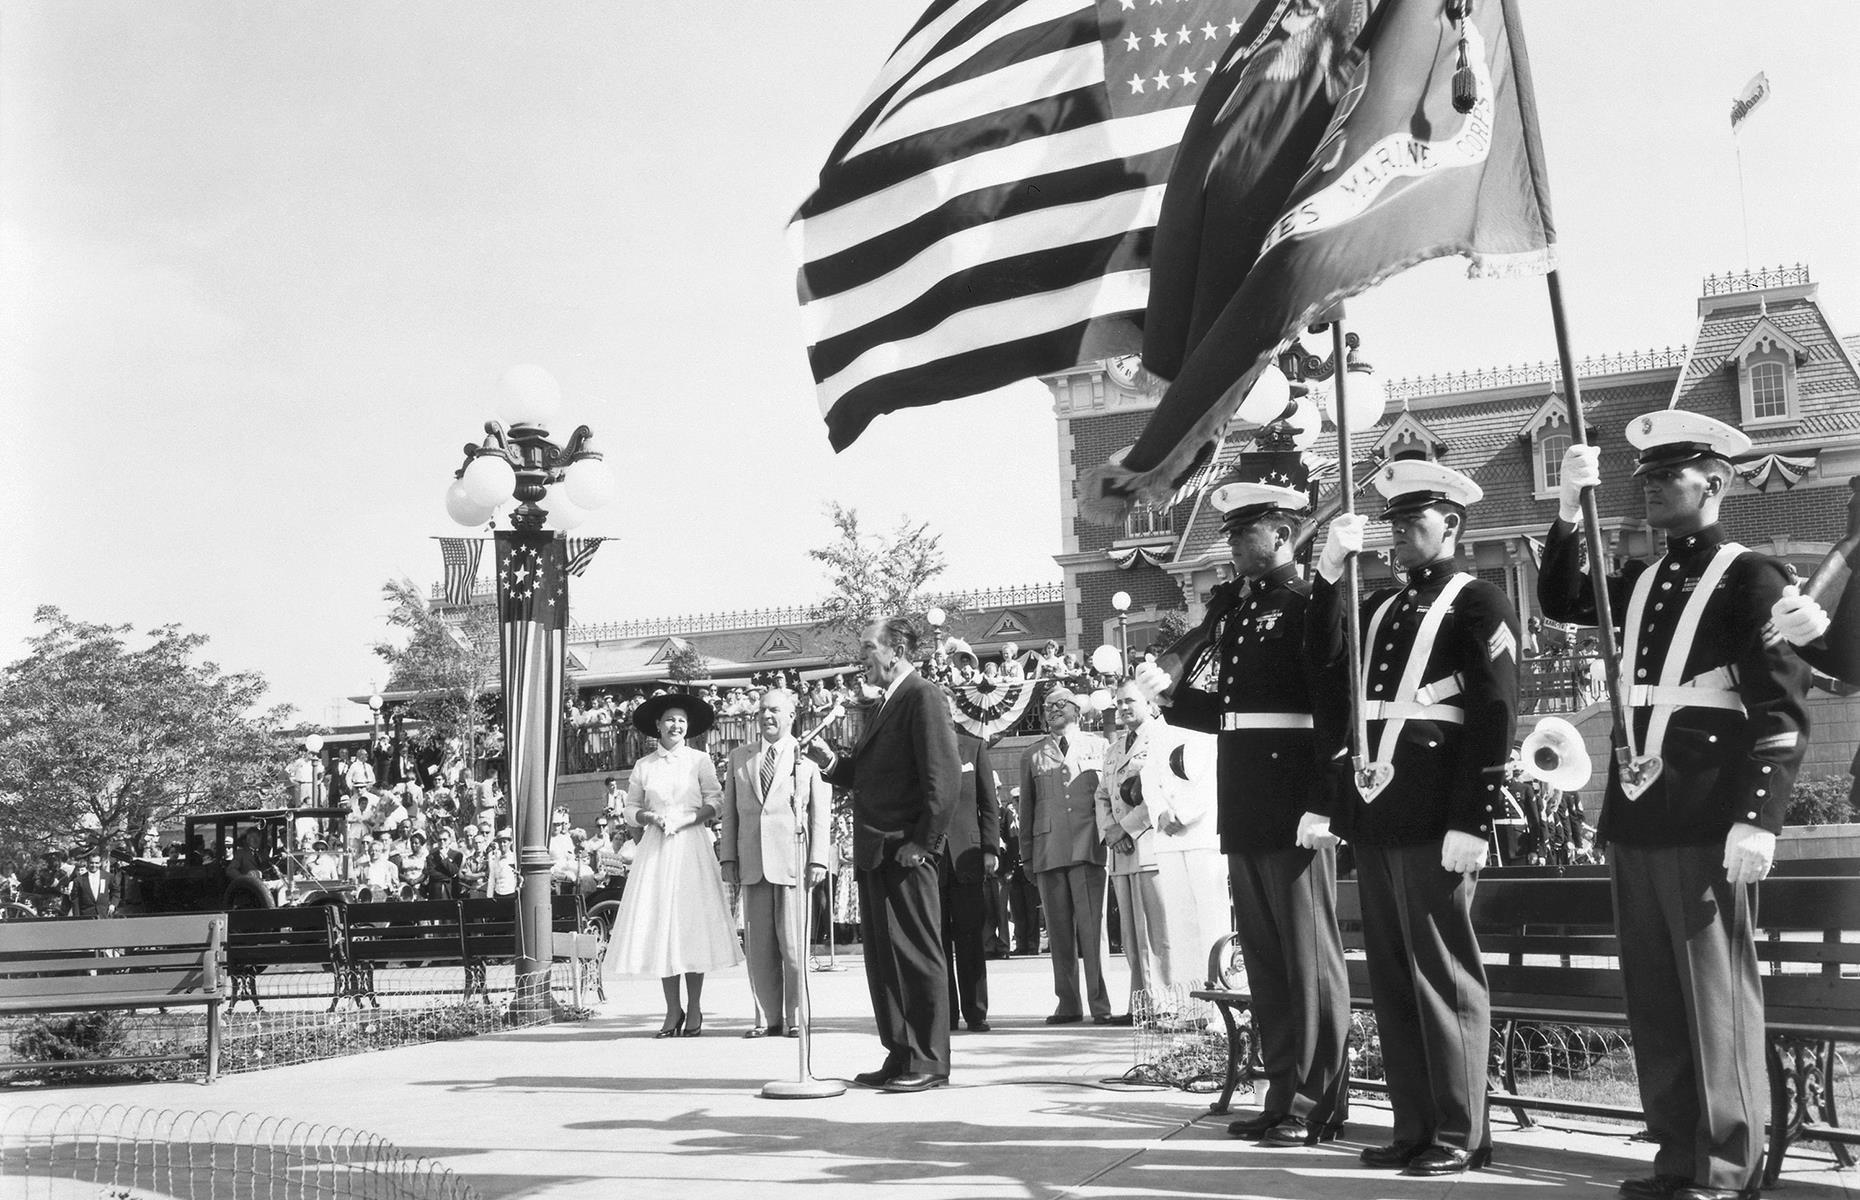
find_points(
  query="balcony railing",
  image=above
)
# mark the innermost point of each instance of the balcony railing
(1560, 683)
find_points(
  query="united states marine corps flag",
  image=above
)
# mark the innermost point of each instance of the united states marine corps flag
(1425, 155)
(532, 592)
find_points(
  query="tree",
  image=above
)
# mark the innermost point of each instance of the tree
(871, 575)
(450, 661)
(686, 663)
(99, 741)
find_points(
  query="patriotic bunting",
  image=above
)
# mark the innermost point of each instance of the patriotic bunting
(1776, 471)
(532, 593)
(987, 707)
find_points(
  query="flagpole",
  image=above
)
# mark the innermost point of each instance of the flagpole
(1572, 386)
(1352, 579)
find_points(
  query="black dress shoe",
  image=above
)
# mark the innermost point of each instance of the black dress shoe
(1692, 1191)
(878, 1078)
(979, 1027)
(1292, 1131)
(1108, 1019)
(1391, 1157)
(1065, 1018)
(1447, 1160)
(916, 1081)
(1255, 1126)
(1654, 1187)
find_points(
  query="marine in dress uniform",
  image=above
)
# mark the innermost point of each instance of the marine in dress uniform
(1719, 702)
(1284, 894)
(1060, 849)
(1440, 686)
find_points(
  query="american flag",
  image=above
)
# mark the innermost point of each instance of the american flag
(986, 216)
(581, 552)
(460, 557)
(532, 591)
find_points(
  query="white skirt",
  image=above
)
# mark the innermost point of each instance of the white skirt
(674, 916)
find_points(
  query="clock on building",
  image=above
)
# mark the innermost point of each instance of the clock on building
(1127, 370)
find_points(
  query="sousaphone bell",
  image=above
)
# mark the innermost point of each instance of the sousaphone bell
(1555, 754)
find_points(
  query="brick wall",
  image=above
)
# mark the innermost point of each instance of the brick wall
(1803, 515)
(1094, 440)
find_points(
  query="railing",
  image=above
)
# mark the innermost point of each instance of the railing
(1449, 382)
(1560, 683)
(1733, 282)
(756, 618)
(1145, 520)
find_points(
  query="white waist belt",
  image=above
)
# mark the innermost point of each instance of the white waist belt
(1643, 695)
(1265, 720)
(1408, 710)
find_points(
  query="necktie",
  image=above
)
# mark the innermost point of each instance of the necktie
(1063, 746)
(1130, 739)
(768, 770)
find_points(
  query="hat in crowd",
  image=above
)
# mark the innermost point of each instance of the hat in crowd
(319, 844)
(415, 836)
(1409, 484)
(698, 714)
(1673, 437)
(956, 648)
(1260, 482)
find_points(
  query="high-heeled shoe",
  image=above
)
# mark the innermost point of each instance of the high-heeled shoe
(675, 1029)
(692, 1028)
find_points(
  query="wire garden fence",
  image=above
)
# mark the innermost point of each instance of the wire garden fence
(126, 1152)
(296, 1016)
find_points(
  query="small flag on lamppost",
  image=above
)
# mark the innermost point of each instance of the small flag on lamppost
(460, 556)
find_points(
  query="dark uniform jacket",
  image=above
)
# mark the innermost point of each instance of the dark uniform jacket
(1447, 775)
(903, 774)
(1721, 767)
(1268, 778)
(975, 826)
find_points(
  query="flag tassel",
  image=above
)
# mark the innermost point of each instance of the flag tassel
(1465, 79)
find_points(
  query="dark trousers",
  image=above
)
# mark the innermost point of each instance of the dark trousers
(901, 927)
(1695, 1008)
(1285, 911)
(965, 909)
(995, 935)
(1023, 901)
(1433, 1013)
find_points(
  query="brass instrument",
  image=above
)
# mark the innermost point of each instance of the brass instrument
(1555, 754)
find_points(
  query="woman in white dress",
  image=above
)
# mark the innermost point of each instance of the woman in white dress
(674, 919)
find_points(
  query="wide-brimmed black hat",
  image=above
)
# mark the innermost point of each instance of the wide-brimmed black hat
(700, 715)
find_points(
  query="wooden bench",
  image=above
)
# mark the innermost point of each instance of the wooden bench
(397, 933)
(126, 963)
(1551, 962)
(259, 938)
(487, 934)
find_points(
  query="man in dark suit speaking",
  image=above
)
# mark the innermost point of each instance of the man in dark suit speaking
(905, 777)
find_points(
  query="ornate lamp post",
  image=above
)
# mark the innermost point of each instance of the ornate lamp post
(1121, 602)
(374, 718)
(313, 746)
(552, 488)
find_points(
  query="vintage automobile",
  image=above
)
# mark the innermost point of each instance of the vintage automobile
(264, 870)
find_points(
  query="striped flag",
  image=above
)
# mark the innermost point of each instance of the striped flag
(986, 217)
(581, 553)
(532, 592)
(460, 556)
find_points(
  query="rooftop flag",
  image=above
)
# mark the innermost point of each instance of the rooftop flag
(581, 552)
(1401, 175)
(1755, 92)
(986, 216)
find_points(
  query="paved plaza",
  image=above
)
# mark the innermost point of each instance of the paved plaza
(602, 1109)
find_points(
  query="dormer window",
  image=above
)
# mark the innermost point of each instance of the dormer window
(1545, 437)
(1766, 363)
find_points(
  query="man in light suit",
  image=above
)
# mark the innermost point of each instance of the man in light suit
(905, 775)
(772, 795)
(1062, 851)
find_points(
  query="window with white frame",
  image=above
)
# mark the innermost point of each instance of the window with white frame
(1769, 391)
(1551, 445)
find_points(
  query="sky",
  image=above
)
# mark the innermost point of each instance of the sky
(263, 265)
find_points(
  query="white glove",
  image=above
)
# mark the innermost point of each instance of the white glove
(1152, 680)
(1748, 852)
(1344, 539)
(1462, 853)
(1798, 618)
(1314, 832)
(1582, 467)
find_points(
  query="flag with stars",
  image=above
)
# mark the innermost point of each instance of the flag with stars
(986, 217)
(532, 593)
